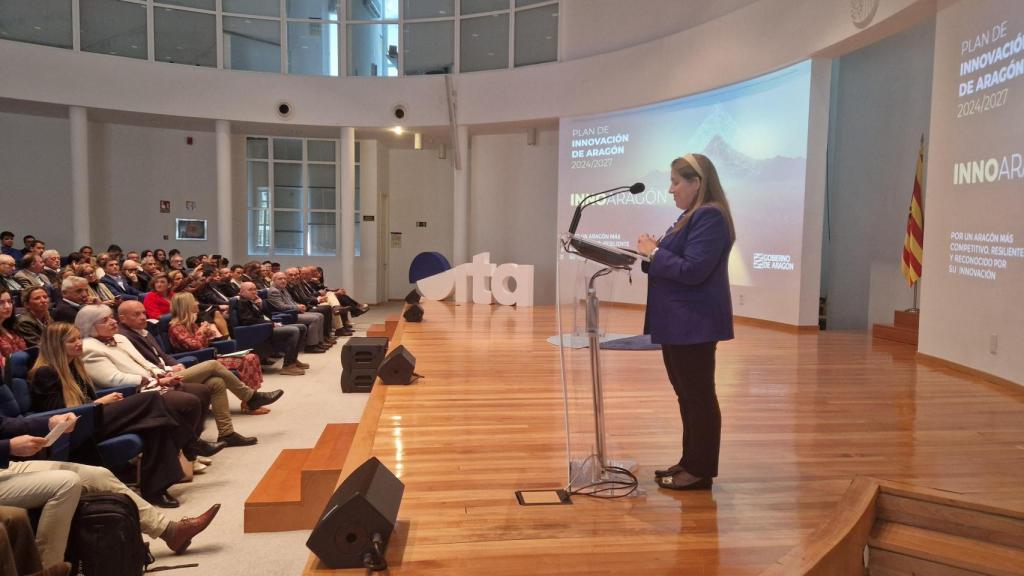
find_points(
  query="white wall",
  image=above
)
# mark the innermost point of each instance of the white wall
(514, 194)
(35, 179)
(420, 189)
(133, 168)
(881, 108)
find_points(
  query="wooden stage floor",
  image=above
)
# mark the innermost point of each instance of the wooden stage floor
(803, 413)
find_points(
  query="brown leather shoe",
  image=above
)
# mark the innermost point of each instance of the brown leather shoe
(291, 370)
(178, 535)
(302, 365)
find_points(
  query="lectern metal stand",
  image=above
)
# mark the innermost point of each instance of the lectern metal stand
(589, 463)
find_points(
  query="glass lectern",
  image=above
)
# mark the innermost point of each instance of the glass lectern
(584, 278)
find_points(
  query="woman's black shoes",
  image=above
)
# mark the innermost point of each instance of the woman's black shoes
(204, 448)
(162, 500)
(671, 470)
(688, 483)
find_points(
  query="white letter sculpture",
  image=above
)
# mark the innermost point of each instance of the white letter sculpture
(470, 279)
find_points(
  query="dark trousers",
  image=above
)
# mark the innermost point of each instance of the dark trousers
(327, 313)
(188, 412)
(287, 339)
(691, 369)
(146, 414)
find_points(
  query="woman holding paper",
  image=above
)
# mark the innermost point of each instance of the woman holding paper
(689, 310)
(59, 380)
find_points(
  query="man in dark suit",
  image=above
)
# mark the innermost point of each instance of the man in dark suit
(303, 294)
(51, 266)
(289, 337)
(208, 380)
(318, 338)
(75, 292)
(118, 284)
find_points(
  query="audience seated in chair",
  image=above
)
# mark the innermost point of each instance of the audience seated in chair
(31, 323)
(75, 294)
(110, 360)
(55, 487)
(289, 338)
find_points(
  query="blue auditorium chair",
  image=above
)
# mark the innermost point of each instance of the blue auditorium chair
(16, 400)
(247, 337)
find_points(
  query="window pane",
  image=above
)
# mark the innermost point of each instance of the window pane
(313, 9)
(204, 4)
(484, 43)
(259, 185)
(37, 21)
(322, 235)
(287, 149)
(358, 239)
(313, 48)
(114, 27)
(185, 37)
(521, 3)
(430, 47)
(256, 147)
(287, 185)
(288, 233)
(321, 187)
(373, 50)
(478, 6)
(358, 188)
(256, 7)
(259, 231)
(357, 152)
(251, 44)
(320, 150)
(537, 35)
(428, 9)
(372, 9)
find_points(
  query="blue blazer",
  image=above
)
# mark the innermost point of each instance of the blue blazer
(688, 299)
(129, 289)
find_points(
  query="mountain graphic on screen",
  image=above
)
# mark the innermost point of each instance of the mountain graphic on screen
(734, 165)
(718, 124)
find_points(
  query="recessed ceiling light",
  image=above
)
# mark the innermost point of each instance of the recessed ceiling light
(398, 130)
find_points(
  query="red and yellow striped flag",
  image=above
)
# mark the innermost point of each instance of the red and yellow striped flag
(912, 244)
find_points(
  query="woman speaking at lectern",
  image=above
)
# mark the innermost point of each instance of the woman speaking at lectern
(689, 310)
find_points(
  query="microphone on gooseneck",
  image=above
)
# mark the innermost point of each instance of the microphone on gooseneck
(597, 197)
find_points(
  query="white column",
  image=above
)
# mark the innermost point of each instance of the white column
(347, 246)
(224, 232)
(81, 233)
(460, 222)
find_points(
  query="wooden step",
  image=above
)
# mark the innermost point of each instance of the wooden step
(279, 483)
(377, 331)
(944, 550)
(390, 325)
(1002, 527)
(295, 489)
(895, 334)
(905, 319)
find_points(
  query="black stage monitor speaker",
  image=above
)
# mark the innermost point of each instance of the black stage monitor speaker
(398, 368)
(413, 313)
(362, 511)
(413, 297)
(360, 359)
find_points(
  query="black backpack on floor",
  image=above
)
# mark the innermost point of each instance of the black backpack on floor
(105, 538)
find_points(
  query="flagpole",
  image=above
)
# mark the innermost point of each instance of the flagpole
(918, 183)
